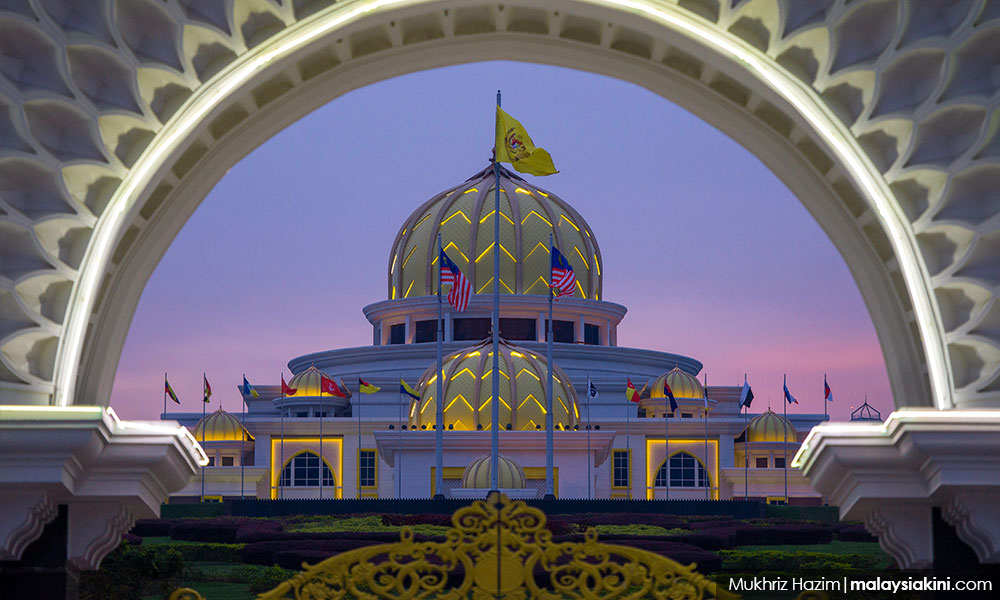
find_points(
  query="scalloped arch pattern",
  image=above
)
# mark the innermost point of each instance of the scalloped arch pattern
(117, 117)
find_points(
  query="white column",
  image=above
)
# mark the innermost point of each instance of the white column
(540, 327)
(408, 335)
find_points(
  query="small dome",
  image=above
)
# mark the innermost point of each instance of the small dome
(770, 427)
(682, 384)
(510, 475)
(463, 217)
(306, 383)
(220, 426)
(467, 390)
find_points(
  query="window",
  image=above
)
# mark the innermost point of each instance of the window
(761, 462)
(211, 461)
(562, 331)
(397, 333)
(302, 414)
(779, 462)
(227, 461)
(519, 329)
(620, 469)
(366, 468)
(686, 415)
(303, 471)
(426, 332)
(685, 471)
(591, 334)
(470, 329)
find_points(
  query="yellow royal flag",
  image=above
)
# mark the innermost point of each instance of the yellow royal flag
(514, 146)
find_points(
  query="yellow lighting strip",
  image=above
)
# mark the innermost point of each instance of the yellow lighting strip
(525, 370)
(421, 221)
(490, 214)
(407, 259)
(276, 469)
(521, 190)
(462, 372)
(582, 257)
(652, 469)
(457, 213)
(410, 288)
(597, 265)
(537, 215)
(565, 218)
(201, 104)
(470, 190)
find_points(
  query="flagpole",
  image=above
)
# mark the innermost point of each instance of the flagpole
(784, 428)
(359, 431)
(667, 409)
(321, 464)
(628, 447)
(281, 468)
(746, 449)
(825, 384)
(399, 440)
(243, 438)
(495, 430)
(203, 428)
(164, 393)
(590, 459)
(549, 427)
(439, 418)
(708, 488)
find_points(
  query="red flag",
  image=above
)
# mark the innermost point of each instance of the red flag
(285, 390)
(630, 392)
(330, 387)
(461, 287)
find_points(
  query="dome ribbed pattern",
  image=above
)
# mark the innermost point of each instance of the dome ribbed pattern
(467, 389)
(510, 475)
(463, 215)
(220, 426)
(770, 427)
(306, 383)
(682, 384)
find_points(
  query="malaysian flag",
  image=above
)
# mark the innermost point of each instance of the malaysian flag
(563, 278)
(461, 288)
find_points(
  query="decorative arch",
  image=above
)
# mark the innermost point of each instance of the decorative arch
(684, 460)
(878, 115)
(299, 471)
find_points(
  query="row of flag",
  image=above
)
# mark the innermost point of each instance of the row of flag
(327, 385)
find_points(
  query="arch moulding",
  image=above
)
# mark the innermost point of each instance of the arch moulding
(118, 116)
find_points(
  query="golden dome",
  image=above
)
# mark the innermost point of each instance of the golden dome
(220, 426)
(510, 475)
(306, 383)
(682, 384)
(467, 388)
(463, 217)
(770, 427)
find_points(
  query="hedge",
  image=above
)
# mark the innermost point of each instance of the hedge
(220, 531)
(776, 560)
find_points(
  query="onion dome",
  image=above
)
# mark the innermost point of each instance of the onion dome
(307, 383)
(463, 215)
(221, 426)
(467, 389)
(770, 427)
(682, 384)
(510, 475)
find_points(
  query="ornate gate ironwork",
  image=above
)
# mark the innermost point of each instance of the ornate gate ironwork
(498, 549)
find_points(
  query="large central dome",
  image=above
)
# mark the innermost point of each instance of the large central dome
(463, 215)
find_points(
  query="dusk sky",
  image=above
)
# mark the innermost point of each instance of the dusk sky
(713, 256)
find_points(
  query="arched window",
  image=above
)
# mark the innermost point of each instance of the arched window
(303, 471)
(685, 471)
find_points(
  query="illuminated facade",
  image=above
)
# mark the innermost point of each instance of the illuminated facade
(312, 444)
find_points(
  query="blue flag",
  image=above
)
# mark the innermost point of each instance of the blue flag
(788, 395)
(669, 394)
(248, 389)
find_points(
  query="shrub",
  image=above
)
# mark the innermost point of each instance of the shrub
(131, 572)
(262, 579)
(854, 532)
(775, 535)
(131, 540)
(776, 560)
(203, 551)
(264, 553)
(220, 531)
(424, 519)
(152, 527)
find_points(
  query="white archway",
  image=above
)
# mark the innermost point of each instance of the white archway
(116, 119)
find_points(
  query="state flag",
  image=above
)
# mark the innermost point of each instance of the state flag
(207, 389)
(285, 390)
(788, 395)
(630, 392)
(330, 386)
(248, 389)
(514, 146)
(366, 388)
(409, 391)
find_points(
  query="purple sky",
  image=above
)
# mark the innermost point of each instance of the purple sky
(711, 253)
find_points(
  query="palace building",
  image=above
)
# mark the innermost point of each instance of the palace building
(310, 444)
